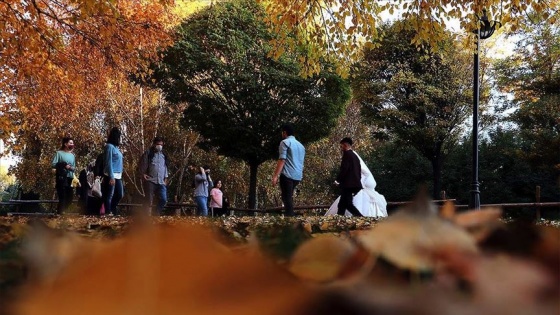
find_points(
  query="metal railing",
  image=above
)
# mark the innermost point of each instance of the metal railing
(190, 209)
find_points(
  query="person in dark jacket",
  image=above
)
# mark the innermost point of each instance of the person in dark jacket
(348, 179)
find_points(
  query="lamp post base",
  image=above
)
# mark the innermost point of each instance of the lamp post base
(474, 202)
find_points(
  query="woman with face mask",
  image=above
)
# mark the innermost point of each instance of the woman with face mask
(64, 164)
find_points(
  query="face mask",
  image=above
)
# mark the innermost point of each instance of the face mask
(159, 147)
(70, 147)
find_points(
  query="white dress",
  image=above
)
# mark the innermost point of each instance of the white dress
(369, 202)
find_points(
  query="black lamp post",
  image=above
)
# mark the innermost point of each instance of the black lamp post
(485, 30)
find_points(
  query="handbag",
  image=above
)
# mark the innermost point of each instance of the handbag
(96, 188)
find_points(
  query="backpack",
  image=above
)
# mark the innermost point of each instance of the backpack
(99, 166)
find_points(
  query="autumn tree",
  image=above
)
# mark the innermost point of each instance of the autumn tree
(418, 98)
(237, 96)
(142, 113)
(58, 55)
(60, 62)
(341, 28)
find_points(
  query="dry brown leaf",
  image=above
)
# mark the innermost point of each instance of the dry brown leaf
(320, 259)
(173, 270)
(448, 210)
(477, 218)
(328, 258)
(307, 227)
(499, 284)
(547, 250)
(479, 223)
(408, 240)
(502, 280)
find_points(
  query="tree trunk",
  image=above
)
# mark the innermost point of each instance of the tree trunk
(437, 165)
(254, 167)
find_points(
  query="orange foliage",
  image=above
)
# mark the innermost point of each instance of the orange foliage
(62, 64)
(59, 57)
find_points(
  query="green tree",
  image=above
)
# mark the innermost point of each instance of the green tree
(399, 171)
(505, 176)
(237, 96)
(418, 98)
(532, 75)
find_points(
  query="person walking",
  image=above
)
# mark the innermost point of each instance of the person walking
(64, 165)
(153, 167)
(368, 201)
(348, 179)
(289, 168)
(112, 187)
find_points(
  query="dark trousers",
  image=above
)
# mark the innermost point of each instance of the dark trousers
(346, 202)
(287, 186)
(160, 190)
(65, 194)
(94, 205)
(83, 201)
(216, 212)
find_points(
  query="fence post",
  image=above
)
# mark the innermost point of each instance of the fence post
(538, 199)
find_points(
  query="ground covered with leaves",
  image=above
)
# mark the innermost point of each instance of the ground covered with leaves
(408, 263)
(279, 235)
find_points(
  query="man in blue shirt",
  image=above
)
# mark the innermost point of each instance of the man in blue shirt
(289, 168)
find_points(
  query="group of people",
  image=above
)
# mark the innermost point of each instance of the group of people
(358, 196)
(208, 195)
(108, 169)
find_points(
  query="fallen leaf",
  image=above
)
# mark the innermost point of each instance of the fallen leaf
(167, 270)
(408, 240)
(322, 259)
